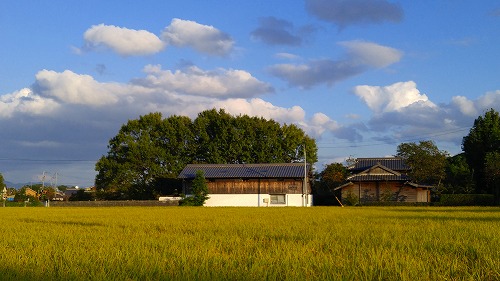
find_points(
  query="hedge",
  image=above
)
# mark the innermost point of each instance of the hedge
(466, 200)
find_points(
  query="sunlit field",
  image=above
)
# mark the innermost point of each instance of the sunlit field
(196, 243)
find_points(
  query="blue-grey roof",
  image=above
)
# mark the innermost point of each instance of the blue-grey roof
(401, 177)
(393, 163)
(274, 170)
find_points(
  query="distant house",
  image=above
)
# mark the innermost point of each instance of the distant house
(3, 193)
(30, 192)
(382, 179)
(254, 185)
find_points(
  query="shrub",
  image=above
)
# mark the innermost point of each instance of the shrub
(200, 191)
(466, 200)
(351, 199)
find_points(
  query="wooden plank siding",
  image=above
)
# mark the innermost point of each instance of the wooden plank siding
(253, 186)
(382, 191)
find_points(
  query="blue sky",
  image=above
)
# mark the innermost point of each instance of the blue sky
(359, 76)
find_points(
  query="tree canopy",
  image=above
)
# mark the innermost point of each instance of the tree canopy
(152, 148)
(2, 182)
(481, 148)
(426, 161)
(458, 176)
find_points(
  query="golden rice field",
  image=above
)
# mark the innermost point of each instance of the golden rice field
(196, 243)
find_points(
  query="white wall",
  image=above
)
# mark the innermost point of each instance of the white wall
(253, 200)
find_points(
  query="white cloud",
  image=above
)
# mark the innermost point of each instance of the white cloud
(262, 108)
(69, 87)
(124, 41)
(203, 38)
(24, 101)
(465, 105)
(371, 53)
(390, 98)
(195, 81)
(489, 100)
(320, 123)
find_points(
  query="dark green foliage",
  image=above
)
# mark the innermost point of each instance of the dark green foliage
(351, 199)
(481, 144)
(2, 183)
(395, 203)
(427, 162)
(332, 176)
(150, 149)
(81, 195)
(466, 200)
(458, 176)
(199, 191)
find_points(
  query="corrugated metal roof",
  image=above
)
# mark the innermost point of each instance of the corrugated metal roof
(273, 170)
(393, 163)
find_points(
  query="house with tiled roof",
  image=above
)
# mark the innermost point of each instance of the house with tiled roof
(382, 179)
(253, 185)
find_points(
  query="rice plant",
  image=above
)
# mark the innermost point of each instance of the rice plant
(195, 243)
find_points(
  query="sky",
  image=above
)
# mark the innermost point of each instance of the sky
(359, 76)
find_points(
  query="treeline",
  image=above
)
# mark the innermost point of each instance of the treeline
(146, 156)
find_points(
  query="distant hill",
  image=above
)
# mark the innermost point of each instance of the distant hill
(15, 185)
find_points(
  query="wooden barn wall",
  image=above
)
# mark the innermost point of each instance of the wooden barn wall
(253, 186)
(381, 191)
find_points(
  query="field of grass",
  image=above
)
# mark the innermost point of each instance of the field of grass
(196, 243)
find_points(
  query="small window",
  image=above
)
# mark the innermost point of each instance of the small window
(278, 199)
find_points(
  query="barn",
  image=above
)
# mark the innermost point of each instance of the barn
(253, 185)
(382, 179)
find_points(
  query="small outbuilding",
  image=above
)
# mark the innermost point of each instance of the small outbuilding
(253, 185)
(382, 179)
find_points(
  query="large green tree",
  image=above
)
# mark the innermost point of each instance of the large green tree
(458, 175)
(149, 151)
(480, 146)
(143, 151)
(426, 161)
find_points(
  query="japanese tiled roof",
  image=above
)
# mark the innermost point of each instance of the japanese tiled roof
(274, 170)
(356, 178)
(393, 163)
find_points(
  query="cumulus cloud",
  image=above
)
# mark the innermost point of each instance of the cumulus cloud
(203, 38)
(344, 13)
(401, 112)
(124, 41)
(394, 97)
(72, 88)
(360, 57)
(274, 31)
(262, 108)
(25, 101)
(192, 80)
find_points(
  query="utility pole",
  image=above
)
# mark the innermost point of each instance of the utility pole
(304, 187)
